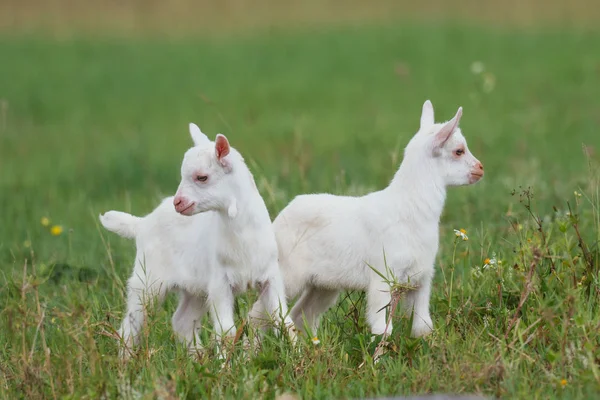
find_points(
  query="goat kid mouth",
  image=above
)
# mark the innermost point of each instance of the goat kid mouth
(188, 210)
(475, 177)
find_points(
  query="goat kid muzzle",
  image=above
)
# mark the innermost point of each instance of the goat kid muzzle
(183, 206)
(476, 172)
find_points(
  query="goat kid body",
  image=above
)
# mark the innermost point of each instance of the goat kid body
(239, 256)
(207, 256)
(331, 242)
(328, 243)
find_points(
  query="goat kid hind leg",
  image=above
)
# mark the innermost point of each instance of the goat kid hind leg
(140, 294)
(311, 305)
(274, 306)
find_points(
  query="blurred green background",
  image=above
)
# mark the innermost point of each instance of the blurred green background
(95, 99)
(319, 96)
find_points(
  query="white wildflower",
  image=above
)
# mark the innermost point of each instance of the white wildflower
(461, 233)
(477, 67)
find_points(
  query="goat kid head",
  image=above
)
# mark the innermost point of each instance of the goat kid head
(206, 176)
(445, 146)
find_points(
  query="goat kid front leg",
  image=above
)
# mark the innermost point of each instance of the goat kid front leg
(417, 302)
(221, 304)
(378, 298)
(187, 320)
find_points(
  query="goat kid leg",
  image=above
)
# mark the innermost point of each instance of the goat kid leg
(417, 301)
(272, 305)
(297, 311)
(378, 297)
(311, 305)
(187, 320)
(221, 303)
(139, 296)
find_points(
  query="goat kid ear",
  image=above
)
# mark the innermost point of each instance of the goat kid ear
(447, 130)
(221, 147)
(197, 136)
(427, 115)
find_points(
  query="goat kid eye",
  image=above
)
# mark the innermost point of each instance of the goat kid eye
(201, 178)
(459, 152)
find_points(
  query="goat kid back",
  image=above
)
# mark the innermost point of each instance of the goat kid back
(213, 239)
(330, 243)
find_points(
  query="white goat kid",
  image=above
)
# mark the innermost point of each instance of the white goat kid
(209, 242)
(328, 243)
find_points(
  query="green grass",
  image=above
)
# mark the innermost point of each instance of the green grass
(89, 125)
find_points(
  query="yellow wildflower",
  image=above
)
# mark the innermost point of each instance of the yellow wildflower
(563, 382)
(56, 230)
(45, 221)
(316, 340)
(489, 82)
(490, 262)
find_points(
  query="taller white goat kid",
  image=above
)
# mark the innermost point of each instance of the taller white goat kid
(212, 240)
(328, 243)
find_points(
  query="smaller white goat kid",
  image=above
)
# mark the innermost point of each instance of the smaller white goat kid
(329, 243)
(209, 242)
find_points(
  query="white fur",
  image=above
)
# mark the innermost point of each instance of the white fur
(223, 244)
(327, 243)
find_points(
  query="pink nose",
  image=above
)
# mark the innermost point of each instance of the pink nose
(476, 172)
(177, 201)
(180, 203)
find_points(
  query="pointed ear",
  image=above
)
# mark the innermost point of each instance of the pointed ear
(221, 146)
(197, 136)
(446, 131)
(427, 115)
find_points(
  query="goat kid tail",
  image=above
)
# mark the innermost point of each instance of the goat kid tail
(121, 223)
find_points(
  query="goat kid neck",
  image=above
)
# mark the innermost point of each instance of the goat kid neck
(250, 211)
(418, 191)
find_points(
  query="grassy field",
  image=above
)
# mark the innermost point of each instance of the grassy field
(93, 123)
